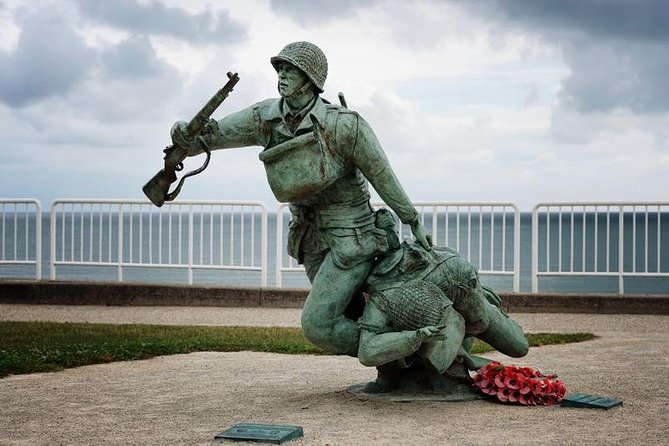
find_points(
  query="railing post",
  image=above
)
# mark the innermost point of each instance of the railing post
(621, 248)
(279, 244)
(190, 244)
(52, 241)
(535, 248)
(38, 240)
(263, 260)
(434, 224)
(516, 247)
(120, 243)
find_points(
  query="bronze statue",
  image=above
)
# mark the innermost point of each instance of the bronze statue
(419, 305)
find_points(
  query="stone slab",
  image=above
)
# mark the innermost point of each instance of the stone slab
(262, 433)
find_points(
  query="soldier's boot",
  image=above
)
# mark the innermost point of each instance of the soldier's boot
(472, 362)
(388, 377)
(458, 371)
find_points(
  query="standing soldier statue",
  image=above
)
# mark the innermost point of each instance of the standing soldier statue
(319, 158)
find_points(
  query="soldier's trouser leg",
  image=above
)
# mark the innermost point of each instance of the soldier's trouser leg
(323, 320)
(491, 325)
(504, 334)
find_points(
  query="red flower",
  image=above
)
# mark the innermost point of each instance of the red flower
(514, 396)
(512, 381)
(526, 399)
(503, 395)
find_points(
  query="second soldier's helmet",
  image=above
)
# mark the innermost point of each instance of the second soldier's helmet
(307, 57)
(415, 305)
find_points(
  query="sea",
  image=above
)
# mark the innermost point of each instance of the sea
(587, 243)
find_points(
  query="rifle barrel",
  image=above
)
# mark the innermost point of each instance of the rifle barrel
(198, 122)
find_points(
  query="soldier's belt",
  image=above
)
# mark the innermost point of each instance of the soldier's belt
(326, 216)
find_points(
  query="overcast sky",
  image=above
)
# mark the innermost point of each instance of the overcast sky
(523, 101)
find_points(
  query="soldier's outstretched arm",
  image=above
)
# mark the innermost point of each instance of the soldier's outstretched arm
(240, 129)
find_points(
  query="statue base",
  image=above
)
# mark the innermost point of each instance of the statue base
(418, 383)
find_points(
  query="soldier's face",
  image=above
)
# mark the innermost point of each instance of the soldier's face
(291, 79)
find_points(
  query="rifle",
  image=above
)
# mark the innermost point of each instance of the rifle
(157, 188)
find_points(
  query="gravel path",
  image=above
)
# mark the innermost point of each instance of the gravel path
(187, 399)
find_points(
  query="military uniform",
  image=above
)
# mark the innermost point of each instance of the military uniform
(319, 160)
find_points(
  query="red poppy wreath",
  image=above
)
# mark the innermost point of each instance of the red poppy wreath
(520, 385)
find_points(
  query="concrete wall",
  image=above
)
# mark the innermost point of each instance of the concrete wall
(125, 294)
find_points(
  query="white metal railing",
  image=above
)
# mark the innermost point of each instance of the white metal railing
(594, 239)
(21, 234)
(486, 234)
(212, 235)
(600, 239)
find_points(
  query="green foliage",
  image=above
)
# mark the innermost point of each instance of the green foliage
(27, 347)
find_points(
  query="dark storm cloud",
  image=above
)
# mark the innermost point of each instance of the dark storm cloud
(49, 60)
(309, 11)
(623, 19)
(155, 18)
(617, 50)
(626, 75)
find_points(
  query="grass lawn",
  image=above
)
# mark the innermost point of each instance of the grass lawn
(27, 347)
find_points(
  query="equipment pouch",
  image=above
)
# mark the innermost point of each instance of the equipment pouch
(350, 247)
(301, 167)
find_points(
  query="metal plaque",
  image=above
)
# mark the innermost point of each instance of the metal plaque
(590, 401)
(261, 433)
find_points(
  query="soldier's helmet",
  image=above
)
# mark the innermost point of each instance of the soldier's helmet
(307, 57)
(415, 305)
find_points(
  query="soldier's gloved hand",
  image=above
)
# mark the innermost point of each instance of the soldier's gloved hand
(193, 145)
(210, 128)
(431, 333)
(421, 235)
(180, 136)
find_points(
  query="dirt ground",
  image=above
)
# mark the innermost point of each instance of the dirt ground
(188, 399)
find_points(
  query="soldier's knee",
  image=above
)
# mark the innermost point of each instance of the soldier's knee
(311, 326)
(340, 339)
(316, 327)
(312, 334)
